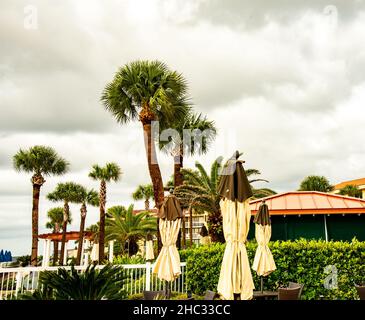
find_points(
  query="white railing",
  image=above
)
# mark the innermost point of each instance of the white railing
(14, 281)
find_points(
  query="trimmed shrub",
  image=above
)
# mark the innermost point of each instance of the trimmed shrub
(302, 261)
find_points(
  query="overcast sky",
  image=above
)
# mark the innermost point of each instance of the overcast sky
(285, 84)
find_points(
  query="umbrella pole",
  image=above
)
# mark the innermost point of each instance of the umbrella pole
(262, 284)
(167, 289)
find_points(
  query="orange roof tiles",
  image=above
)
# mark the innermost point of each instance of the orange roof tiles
(310, 202)
(357, 182)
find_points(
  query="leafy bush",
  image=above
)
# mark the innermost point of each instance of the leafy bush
(125, 259)
(92, 284)
(302, 261)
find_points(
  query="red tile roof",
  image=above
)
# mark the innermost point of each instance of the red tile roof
(310, 202)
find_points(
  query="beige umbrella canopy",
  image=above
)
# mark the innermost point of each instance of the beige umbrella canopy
(263, 262)
(149, 248)
(235, 275)
(167, 266)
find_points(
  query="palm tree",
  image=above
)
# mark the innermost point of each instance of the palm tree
(55, 216)
(130, 228)
(118, 210)
(202, 134)
(258, 193)
(147, 91)
(316, 183)
(200, 192)
(351, 190)
(144, 192)
(94, 228)
(41, 161)
(85, 197)
(107, 283)
(111, 172)
(67, 192)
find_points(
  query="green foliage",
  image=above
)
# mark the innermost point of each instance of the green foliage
(316, 183)
(67, 191)
(92, 284)
(125, 259)
(24, 261)
(110, 172)
(144, 192)
(351, 190)
(130, 228)
(301, 261)
(40, 160)
(146, 86)
(202, 130)
(55, 216)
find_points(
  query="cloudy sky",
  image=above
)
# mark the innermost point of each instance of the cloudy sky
(285, 84)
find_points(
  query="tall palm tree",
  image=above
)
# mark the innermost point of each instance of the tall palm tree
(85, 197)
(111, 172)
(68, 193)
(202, 134)
(144, 192)
(147, 91)
(55, 216)
(130, 228)
(200, 192)
(41, 161)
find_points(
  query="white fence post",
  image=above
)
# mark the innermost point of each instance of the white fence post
(19, 280)
(148, 276)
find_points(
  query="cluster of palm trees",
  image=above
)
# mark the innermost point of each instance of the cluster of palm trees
(43, 161)
(148, 92)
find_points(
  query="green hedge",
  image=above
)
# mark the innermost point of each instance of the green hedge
(301, 261)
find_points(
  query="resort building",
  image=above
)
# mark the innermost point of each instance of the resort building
(360, 183)
(313, 215)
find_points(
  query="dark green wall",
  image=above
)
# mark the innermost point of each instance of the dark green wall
(312, 227)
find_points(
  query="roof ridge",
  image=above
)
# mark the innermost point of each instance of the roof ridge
(308, 192)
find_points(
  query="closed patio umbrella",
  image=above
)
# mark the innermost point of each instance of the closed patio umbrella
(235, 275)
(263, 262)
(149, 248)
(167, 266)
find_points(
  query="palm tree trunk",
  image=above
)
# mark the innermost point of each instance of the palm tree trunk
(55, 245)
(183, 232)
(178, 180)
(81, 233)
(66, 211)
(147, 204)
(191, 226)
(35, 210)
(178, 165)
(102, 221)
(154, 169)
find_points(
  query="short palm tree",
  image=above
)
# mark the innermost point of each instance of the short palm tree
(116, 210)
(110, 172)
(144, 192)
(55, 222)
(147, 91)
(107, 283)
(130, 228)
(41, 161)
(200, 192)
(196, 133)
(316, 183)
(351, 190)
(85, 197)
(67, 192)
